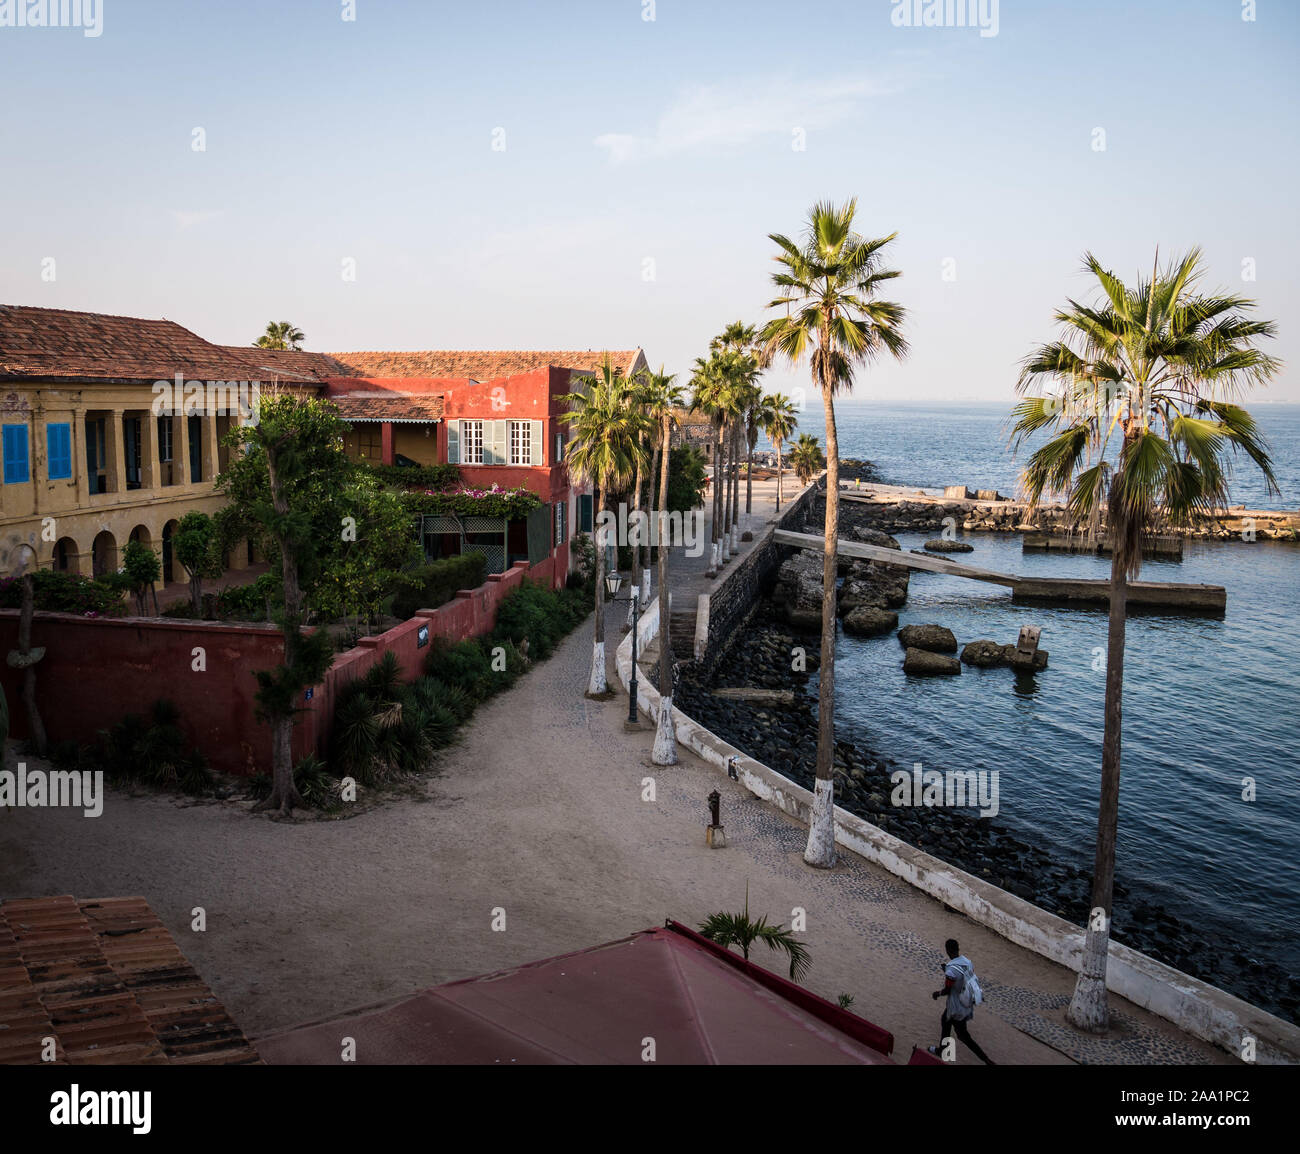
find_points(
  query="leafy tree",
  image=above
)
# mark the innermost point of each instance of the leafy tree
(778, 419)
(687, 476)
(281, 335)
(289, 481)
(142, 569)
(828, 284)
(195, 547)
(739, 930)
(604, 451)
(1138, 398)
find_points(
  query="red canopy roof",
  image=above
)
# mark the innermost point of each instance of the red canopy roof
(699, 1003)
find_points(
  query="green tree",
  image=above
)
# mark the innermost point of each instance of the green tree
(1138, 400)
(195, 547)
(281, 335)
(807, 458)
(828, 284)
(288, 481)
(604, 451)
(687, 479)
(778, 420)
(142, 569)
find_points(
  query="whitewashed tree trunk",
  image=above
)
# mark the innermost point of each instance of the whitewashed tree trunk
(821, 827)
(598, 683)
(665, 747)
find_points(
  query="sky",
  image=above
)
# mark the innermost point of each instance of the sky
(606, 173)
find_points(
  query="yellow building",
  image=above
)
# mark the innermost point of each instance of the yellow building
(111, 430)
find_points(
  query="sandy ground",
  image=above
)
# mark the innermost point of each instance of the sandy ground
(538, 810)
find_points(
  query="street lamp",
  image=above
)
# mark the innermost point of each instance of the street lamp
(613, 583)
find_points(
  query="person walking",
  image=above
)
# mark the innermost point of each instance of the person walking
(962, 990)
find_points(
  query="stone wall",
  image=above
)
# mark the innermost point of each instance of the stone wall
(733, 600)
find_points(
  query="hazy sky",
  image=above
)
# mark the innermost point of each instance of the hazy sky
(574, 175)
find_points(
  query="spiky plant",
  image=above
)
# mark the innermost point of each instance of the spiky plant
(740, 930)
(1138, 400)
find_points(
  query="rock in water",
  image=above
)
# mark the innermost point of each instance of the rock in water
(1024, 662)
(869, 536)
(943, 545)
(985, 654)
(923, 663)
(870, 621)
(934, 638)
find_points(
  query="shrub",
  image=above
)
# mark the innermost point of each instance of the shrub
(436, 583)
(318, 787)
(55, 591)
(249, 602)
(417, 476)
(182, 609)
(464, 665)
(153, 751)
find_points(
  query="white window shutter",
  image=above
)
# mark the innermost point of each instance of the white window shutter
(453, 442)
(535, 441)
(501, 442)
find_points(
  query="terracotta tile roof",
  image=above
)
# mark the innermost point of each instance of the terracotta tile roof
(104, 979)
(389, 408)
(479, 365)
(58, 345)
(320, 366)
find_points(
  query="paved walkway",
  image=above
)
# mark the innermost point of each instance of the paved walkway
(538, 811)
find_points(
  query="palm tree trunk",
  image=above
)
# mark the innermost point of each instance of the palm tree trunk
(715, 556)
(36, 736)
(749, 475)
(1088, 1007)
(636, 553)
(665, 746)
(736, 433)
(598, 684)
(821, 825)
(778, 476)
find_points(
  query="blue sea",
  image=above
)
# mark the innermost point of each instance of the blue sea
(1208, 702)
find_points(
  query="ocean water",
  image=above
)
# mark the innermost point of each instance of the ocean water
(933, 446)
(1208, 702)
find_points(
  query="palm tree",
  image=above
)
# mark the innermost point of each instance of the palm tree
(738, 930)
(806, 457)
(605, 451)
(662, 399)
(828, 283)
(778, 419)
(635, 397)
(281, 335)
(711, 385)
(1142, 418)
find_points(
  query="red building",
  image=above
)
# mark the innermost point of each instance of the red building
(497, 416)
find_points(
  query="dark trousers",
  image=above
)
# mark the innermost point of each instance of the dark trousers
(958, 1026)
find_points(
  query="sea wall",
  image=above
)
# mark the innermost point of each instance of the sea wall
(1195, 1007)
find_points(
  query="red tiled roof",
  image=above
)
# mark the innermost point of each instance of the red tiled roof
(478, 365)
(106, 981)
(391, 408)
(59, 345)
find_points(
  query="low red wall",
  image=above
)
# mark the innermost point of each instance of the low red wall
(96, 670)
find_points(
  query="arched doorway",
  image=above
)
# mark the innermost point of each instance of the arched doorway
(168, 553)
(103, 554)
(66, 555)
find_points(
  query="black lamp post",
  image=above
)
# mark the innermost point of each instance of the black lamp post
(614, 582)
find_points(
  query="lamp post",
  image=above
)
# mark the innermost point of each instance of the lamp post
(614, 582)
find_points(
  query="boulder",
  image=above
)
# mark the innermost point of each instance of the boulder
(923, 663)
(934, 638)
(984, 654)
(803, 617)
(943, 545)
(1025, 662)
(869, 536)
(870, 621)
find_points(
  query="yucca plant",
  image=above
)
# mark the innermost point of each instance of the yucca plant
(740, 930)
(1138, 401)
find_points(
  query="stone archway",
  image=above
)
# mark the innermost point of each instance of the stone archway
(67, 556)
(103, 554)
(170, 568)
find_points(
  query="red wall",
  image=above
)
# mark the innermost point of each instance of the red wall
(97, 669)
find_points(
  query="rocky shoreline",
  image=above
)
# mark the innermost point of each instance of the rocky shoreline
(782, 733)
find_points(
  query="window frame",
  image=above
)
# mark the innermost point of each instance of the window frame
(471, 447)
(11, 463)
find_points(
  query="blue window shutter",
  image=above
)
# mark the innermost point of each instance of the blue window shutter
(453, 442)
(535, 440)
(58, 443)
(15, 453)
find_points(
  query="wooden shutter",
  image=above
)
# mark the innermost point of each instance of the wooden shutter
(499, 431)
(584, 512)
(535, 441)
(453, 442)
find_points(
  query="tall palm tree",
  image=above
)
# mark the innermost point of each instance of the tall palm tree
(828, 285)
(281, 335)
(635, 398)
(740, 340)
(806, 457)
(1141, 413)
(604, 451)
(778, 419)
(662, 399)
(710, 395)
